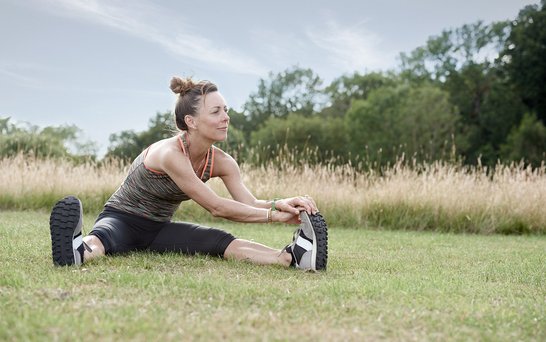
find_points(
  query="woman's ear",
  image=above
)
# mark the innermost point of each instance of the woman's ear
(190, 121)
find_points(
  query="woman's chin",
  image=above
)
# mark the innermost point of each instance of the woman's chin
(221, 137)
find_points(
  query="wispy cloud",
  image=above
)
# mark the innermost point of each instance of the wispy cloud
(22, 74)
(350, 48)
(39, 77)
(150, 22)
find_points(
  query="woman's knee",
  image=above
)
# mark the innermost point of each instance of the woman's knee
(234, 248)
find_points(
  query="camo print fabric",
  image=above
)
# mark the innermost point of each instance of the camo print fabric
(152, 194)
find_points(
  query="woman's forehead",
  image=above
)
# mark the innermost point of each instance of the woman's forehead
(214, 99)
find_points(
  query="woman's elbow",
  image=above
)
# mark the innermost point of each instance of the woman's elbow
(217, 211)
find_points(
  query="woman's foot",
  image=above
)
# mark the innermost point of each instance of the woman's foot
(65, 224)
(309, 248)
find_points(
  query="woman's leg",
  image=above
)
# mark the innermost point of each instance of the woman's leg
(93, 248)
(191, 238)
(257, 253)
(115, 232)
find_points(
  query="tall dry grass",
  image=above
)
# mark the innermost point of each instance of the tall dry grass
(437, 196)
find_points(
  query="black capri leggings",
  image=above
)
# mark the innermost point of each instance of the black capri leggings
(121, 232)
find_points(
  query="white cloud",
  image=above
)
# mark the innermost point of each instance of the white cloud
(22, 74)
(152, 23)
(39, 77)
(351, 48)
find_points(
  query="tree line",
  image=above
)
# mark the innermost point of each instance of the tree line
(476, 93)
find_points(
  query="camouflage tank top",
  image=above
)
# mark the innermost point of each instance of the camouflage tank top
(153, 194)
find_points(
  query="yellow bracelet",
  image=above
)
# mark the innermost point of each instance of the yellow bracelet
(269, 216)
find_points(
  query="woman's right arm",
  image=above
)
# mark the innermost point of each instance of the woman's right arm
(179, 168)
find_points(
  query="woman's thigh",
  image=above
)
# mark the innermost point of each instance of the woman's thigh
(121, 233)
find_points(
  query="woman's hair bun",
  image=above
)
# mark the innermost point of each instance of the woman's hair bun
(181, 86)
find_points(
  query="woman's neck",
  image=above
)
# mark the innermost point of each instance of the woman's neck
(197, 146)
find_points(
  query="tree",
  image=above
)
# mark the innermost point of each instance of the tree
(416, 121)
(526, 141)
(487, 103)
(345, 89)
(452, 50)
(523, 58)
(313, 137)
(50, 141)
(295, 90)
(128, 144)
(488, 108)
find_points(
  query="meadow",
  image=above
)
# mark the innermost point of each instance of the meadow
(416, 252)
(444, 197)
(380, 285)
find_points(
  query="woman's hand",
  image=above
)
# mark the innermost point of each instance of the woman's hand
(286, 217)
(296, 204)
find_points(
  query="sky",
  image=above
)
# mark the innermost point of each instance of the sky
(105, 65)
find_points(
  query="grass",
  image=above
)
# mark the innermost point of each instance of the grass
(509, 199)
(393, 285)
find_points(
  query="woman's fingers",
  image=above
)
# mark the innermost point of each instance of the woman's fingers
(297, 204)
(313, 203)
(288, 205)
(309, 205)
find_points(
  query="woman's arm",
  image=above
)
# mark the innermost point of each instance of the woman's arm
(179, 168)
(228, 170)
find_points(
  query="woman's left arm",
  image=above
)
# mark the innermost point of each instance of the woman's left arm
(228, 170)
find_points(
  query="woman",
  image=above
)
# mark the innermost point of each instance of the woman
(138, 215)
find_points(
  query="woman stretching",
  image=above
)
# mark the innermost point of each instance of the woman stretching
(138, 215)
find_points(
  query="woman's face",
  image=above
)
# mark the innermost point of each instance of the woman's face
(213, 120)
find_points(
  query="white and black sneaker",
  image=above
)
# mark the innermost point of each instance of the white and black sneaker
(65, 224)
(309, 248)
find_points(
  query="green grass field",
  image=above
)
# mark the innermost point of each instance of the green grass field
(379, 285)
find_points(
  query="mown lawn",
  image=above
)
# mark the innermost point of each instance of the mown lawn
(379, 285)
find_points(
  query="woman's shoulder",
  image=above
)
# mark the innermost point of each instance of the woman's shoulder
(167, 145)
(224, 163)
(220, 154)
(161, 151)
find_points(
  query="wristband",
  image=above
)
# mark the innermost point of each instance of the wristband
(273, 204)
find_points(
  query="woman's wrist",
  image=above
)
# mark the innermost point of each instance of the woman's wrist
(273, 204)
(269, 216)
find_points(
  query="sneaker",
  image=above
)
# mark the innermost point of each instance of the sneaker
(309, 247)
(65, 224)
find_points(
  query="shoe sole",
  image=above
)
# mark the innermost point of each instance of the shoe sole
(65, 225)
(319, 229)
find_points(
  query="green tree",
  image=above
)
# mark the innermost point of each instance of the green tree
(345, 89)
(129, 144)
(487, 103)
(488, 109)
(524, 57)
(416, 121)
(453, 49)
(526, 141)
(50, 141)
(311, 137)
(295, 90)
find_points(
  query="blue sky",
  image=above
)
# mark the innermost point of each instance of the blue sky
(105, 65)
